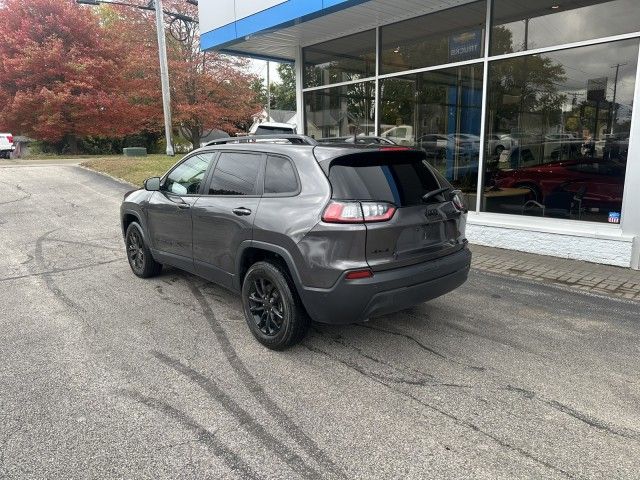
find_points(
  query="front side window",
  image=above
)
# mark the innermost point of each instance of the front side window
(280, 178)
(564, 121)
(186, 178)
(236, 174)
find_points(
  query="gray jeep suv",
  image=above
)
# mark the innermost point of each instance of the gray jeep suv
(330, 233)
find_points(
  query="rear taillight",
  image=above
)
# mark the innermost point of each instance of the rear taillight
(377, 211)
(10, 138)
(358, 212)
(343, 212)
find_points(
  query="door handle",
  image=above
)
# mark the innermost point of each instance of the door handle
(183, 206)
(241, 211)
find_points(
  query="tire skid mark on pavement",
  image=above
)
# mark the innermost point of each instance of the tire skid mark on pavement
(233, 460)
(583, 417)
(48, 279)
(249, 381)
(52, 285)
(451, 416)
(26, 195)
(246, 421)
(55, 271)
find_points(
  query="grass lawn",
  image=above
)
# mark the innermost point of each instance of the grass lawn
(132, 169)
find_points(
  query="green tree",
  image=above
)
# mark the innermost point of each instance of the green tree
(283, 93)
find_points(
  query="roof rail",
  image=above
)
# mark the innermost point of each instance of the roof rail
(291, 138)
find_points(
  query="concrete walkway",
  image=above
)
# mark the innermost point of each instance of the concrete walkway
(599, 279)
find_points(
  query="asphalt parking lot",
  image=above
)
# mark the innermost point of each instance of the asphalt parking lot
(104, 375)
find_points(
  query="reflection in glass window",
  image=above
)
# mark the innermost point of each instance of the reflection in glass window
(341, 60)
(185, 179)
(440, 113)
(448, 36)
(520, 25)
(279, 178)
(558, 129)
(340, 111)
(236, 174)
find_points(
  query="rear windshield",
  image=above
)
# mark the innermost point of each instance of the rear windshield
(273, 130)
(401, 178)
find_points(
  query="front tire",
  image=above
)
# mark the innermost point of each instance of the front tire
(273, 311)
(140, 259)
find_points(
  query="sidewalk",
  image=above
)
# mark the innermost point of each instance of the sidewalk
(590, 277)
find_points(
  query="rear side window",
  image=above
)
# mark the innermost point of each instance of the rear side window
(398, 178)
(236, 174)
(280, 178)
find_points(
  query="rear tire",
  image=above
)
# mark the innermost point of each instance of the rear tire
(140, 259)
(273, 311)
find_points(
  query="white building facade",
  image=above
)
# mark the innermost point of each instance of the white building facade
(530, 108)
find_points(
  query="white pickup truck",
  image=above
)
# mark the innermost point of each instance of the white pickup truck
(6, 145)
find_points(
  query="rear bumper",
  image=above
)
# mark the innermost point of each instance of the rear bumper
(387, 292)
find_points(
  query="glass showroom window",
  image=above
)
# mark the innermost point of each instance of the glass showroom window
(340, 111)
(448, 36)
(439, 112)
(520, 25)
(341, 60)
(558, 129)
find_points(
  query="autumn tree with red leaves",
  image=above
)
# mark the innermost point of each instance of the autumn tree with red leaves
(208, 91)
(68, 72)
(59, 74)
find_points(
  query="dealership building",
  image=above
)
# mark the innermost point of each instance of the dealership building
(528, 107)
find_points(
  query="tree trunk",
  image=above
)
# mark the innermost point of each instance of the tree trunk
(194, 137)
(71, 142)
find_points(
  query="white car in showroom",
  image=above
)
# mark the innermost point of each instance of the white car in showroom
(6, 145)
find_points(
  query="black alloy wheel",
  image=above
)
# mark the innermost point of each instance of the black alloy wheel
(266, 307)
(272, 308)
(140, 259)
(135, 250)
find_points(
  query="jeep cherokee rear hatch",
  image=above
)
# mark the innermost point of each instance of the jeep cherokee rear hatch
(412, 214)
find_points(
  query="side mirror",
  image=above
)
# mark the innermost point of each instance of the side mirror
(152, 184)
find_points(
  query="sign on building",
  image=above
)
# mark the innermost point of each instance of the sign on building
(465, 46)
(597, 89)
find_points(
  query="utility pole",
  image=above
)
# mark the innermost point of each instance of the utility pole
(614, 106)
(156, 5)
(164, 77)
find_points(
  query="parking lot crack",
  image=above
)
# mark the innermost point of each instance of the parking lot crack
(451, 416)
(582, 417)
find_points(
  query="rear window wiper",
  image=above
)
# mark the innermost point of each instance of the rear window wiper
(434, 193)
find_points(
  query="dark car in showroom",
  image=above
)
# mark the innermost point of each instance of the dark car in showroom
(333, 234)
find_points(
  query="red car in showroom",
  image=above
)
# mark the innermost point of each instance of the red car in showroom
(598, 182)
